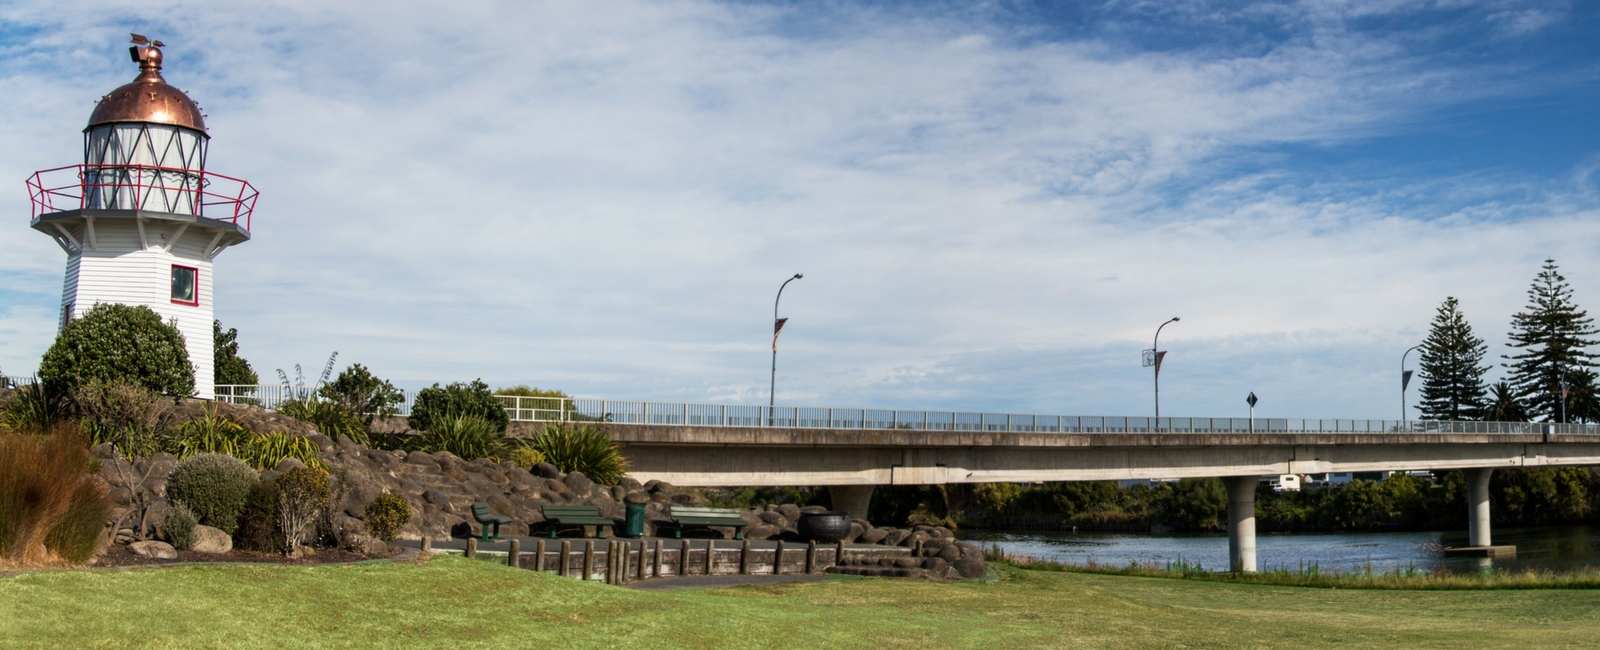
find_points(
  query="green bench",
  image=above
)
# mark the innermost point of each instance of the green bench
(480, 512)
(562, 516)
(687, 516)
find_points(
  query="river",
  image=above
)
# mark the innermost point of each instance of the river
(1557, 549)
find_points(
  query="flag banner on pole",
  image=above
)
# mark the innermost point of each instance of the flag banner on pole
(1405, 380)
(1159, 357)
(776, 328)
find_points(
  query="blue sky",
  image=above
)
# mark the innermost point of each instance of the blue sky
(994, 204)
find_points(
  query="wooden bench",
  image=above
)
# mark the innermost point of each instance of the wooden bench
(559, 516)
(480, 512)
(687, 516)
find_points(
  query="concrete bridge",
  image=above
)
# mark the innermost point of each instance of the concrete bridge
(852, 461)
(850, 450)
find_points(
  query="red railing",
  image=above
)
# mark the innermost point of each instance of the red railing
(213, 195)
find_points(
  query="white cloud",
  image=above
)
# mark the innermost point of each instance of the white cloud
(603, 197)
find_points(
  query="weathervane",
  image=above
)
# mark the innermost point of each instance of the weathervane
(146, 51)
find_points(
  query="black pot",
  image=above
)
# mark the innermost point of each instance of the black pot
(829, 526)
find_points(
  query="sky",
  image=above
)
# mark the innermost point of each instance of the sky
(994, 204)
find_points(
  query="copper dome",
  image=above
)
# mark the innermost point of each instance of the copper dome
(149, 98)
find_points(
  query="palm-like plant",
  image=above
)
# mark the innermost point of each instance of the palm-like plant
(1504, 404)
(584, 449)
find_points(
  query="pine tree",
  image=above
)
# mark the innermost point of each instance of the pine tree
(1452, 367)
(1553, 337)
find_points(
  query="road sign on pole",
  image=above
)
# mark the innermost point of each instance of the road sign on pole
(1251, 400)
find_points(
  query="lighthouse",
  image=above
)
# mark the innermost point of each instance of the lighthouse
(141, 219)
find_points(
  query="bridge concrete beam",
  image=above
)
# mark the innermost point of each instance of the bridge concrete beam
(763, 461)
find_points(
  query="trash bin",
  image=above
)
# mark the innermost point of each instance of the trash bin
(634, 526)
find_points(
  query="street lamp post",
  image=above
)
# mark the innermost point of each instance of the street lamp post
(1405, 380)
(1155, 360)
(777, 326)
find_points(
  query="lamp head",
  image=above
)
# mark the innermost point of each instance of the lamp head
(1174, 319)
(797, 276)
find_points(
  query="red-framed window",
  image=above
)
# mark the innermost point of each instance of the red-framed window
(185, 285)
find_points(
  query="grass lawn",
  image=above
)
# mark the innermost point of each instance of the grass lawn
(454, 602)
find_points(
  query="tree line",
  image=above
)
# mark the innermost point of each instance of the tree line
(1550, 371)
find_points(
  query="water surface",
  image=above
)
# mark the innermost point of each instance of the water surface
(1554, 549)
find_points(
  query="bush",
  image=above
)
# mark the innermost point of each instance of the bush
(363, 395)
(301, 495)
(469, 437)
(582, 449)
(179, 526)
(125, 414)
(113, 342)
(29, 409)
(386, 515)
(214, 487)
(258, 520)
(50, 507)
(526, 456)
(437, 404)
(228, 368)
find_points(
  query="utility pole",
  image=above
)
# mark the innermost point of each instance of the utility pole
(1152, 357)
(777, 326)
(1405, 380)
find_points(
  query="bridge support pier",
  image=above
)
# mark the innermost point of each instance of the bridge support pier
(1478, 506)
(1242, 522)
(854, 499)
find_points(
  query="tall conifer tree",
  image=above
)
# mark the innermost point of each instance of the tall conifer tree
(1452, 367)
(1552, 338)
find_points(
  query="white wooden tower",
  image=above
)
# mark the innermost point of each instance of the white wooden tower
(141, 220)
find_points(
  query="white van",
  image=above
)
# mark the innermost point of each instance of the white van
(1284, 482)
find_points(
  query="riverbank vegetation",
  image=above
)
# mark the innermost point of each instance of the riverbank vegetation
(470, 604)
(1520, 497)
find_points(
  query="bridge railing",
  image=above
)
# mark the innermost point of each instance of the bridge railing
(553, 409)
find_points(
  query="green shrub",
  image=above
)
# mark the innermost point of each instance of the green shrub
(386, 515)
(525, 455)
(49, 505)
(469, 437)
(214, 487)
(179, 526)
(30, 409)
(114, 342)
(301, 495)
(436, 404)
(258, 520)
(362, 394)
(584, 449)
(228, 368)
(125, 414)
